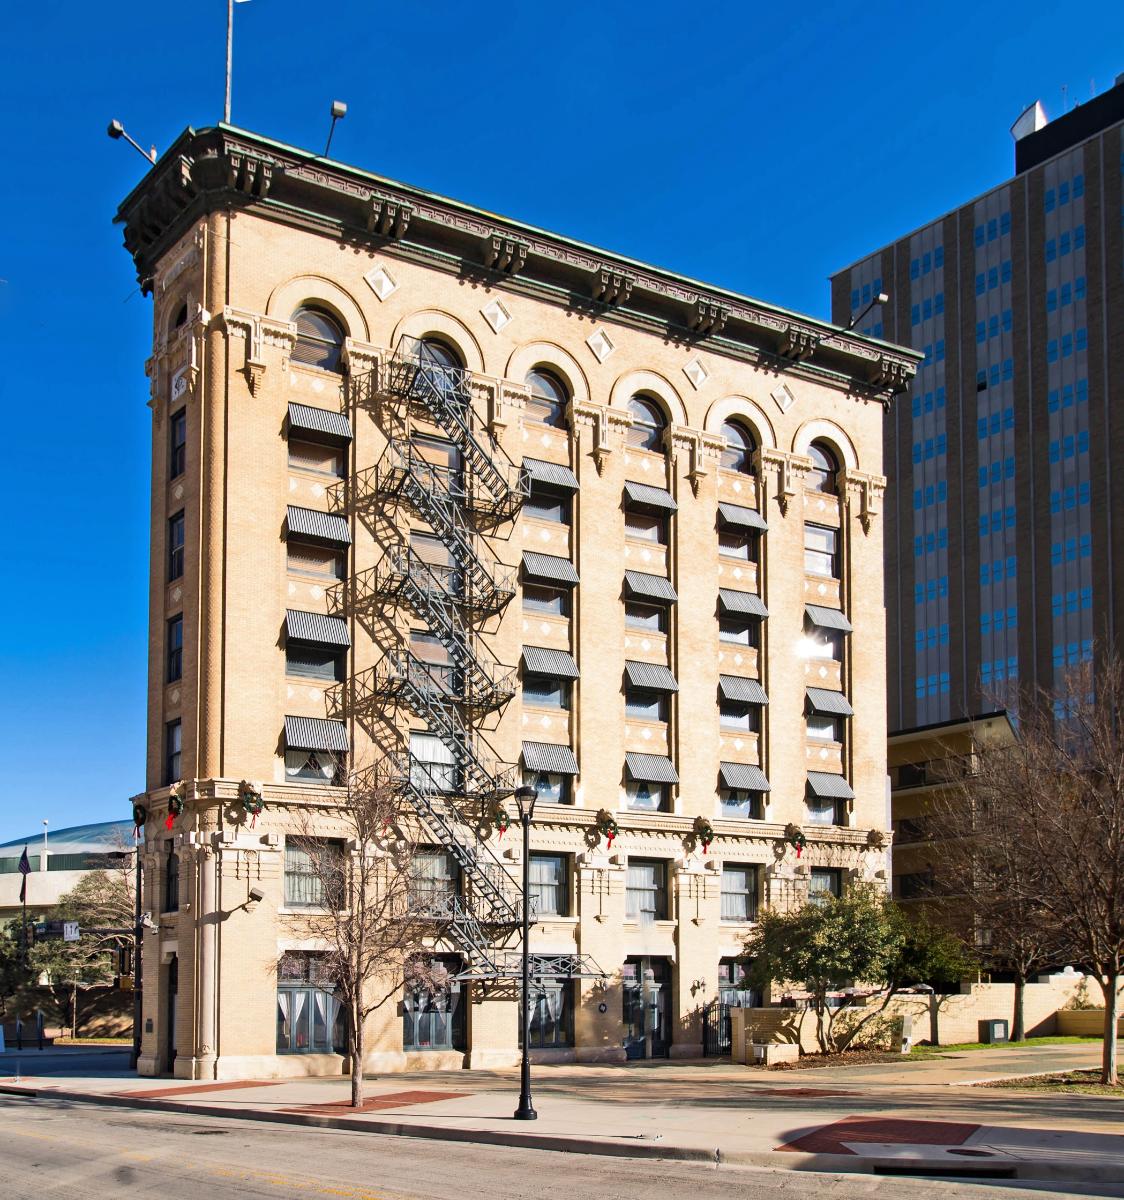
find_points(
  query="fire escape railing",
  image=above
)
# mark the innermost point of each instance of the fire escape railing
(459, 501)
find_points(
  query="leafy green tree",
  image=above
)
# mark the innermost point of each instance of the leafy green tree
(102, 904)
(858, 938)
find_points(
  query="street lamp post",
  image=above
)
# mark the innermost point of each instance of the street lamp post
(525, 798)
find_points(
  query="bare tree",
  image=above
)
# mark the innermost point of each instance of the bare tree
(361, 902)
(989, 882)
(1057, 798)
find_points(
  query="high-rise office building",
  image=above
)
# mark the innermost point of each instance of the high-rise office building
(438, 488)
(1003, 517)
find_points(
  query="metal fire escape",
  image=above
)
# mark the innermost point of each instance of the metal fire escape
(459, 502)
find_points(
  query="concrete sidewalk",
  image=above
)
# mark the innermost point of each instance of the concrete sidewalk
(915, 1118)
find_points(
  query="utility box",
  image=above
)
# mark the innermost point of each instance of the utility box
(993, 1031)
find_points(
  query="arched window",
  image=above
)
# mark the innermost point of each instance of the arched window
(181, 316)
(548, 399)
(433, 353)
(740, 445)
(319, 339)
(821, 478)
(648, 424)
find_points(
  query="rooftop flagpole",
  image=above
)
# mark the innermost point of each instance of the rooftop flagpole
(229, 55)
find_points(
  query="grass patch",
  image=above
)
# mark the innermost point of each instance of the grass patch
(92, 1041)
(1078, 1083)
(958, 1047)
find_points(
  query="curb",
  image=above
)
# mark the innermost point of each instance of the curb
(848, 1164)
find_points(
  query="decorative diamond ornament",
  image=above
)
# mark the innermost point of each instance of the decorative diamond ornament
(381, 282)
(599, 343)
(496, 315)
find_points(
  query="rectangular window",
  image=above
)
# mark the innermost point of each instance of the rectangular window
(646, 891)
(742, 631)
(736, 542)
(649, 617)
(546, 691)
(825, 729)
(548, 504)
(314, 662)
(173, 748)
(314, 870)
(821, 811)
(552, 1015)
(434, 1018)
(646, 525)
(738, 717)
(171, 880)
(314, 766)
(823, 643)
(644, 796)
(551, 788)
(174, 644)
(175, 546)
(739, 803)
(310, 1019)
(821, 551)
(538, 598)
(825, 883)
(434, 882)
(177, 443)
(432, 765)
(739, 892)
(549, 879)
(316, 457)
(320, 562)
(641, 705)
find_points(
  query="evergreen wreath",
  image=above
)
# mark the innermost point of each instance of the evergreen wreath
(607, 826)
(704, 831)
(795, 837)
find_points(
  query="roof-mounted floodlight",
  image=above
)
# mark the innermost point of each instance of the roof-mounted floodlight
(339, 111)
(117, 131)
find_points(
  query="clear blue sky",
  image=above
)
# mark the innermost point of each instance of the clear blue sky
(756, 146)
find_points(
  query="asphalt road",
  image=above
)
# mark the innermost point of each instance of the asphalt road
(66, 1150)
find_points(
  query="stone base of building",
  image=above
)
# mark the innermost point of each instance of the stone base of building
(686, 1050)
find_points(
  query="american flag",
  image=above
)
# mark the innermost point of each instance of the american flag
(25, 870)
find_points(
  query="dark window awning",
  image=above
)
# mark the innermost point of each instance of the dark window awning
(829, 704)
(741, 518)
(313, 733)
(320, 421)
(826, 618)
(829, 787)
(741, 602)
(742, 777)
(554, 760)
(549, 568)
(321, 526)
(653, 497)
(642, 586)
(551, 474)
(542, 661)
(650, 768)
(741, 690)
(315, 628)
(650, 675)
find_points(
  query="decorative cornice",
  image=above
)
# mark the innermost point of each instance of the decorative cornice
(607, 426)
(222, 167)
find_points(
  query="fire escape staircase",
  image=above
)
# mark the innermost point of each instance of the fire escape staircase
(453, 696)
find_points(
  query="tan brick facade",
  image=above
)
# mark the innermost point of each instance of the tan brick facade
(243, 268)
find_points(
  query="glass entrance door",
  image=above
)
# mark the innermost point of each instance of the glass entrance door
(173, 1006)
(647, 1025)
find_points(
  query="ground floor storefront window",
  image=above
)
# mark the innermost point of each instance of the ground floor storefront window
(552, 1014)
(310, 1020)
(433, 1011)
